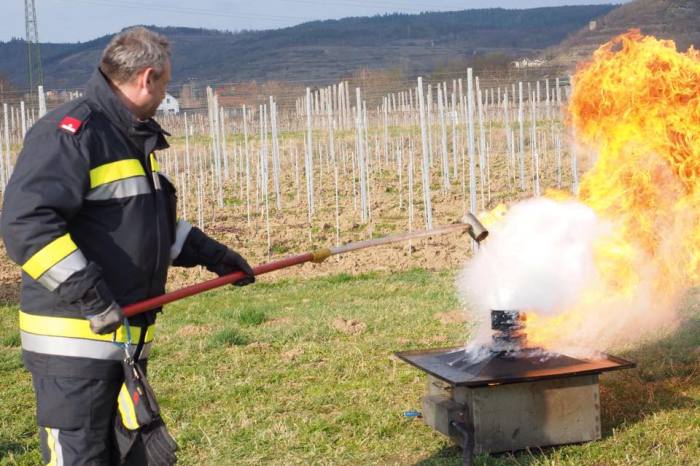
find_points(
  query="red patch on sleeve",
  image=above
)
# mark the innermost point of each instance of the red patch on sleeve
(70, 124)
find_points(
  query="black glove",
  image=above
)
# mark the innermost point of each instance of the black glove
(159, 445)
(200, 249)
(107, 321)
(231, 262)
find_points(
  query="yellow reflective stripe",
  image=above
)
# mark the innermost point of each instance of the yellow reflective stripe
(75, 328)
(51, 444)
(114, 171)
(49, 255)
(155, 166)
(126, 409)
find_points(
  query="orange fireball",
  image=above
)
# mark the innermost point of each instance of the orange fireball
(636, 105)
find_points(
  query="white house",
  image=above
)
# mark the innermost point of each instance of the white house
(529, 63)
(169, 104)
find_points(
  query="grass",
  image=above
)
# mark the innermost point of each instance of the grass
(250, 316)
(260, 375)
(227, 337)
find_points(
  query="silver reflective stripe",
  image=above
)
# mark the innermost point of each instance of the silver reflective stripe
(121, 188)
(156, 181)
(183, 229)
(58, 450)
(60, 272)
(76, 347)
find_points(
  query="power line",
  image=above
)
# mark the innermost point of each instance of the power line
(35, 74)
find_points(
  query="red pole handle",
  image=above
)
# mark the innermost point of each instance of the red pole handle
(152, 303)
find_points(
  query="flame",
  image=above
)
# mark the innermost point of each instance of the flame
(637, 106)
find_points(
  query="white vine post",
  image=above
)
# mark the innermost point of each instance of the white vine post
(308, 161)
(521, 121)
(427, 207)
(470, 141)
(42, 101)
(8, 167)
(275, 155)
(362, 164)
(247, 164)
(443, 143)
(482, 144)
(331, 148)
(533, 144)
(574, 151)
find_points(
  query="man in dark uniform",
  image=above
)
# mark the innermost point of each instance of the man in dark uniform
(92, 221)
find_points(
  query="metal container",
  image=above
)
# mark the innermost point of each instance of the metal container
(512, 400)
(517, 416)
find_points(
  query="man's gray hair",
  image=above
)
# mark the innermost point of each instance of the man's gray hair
(133, 50)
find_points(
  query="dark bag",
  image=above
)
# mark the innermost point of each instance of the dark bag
(139, 415)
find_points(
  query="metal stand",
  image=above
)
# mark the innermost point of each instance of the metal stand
(463, 425)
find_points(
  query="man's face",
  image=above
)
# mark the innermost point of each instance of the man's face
(156, 91)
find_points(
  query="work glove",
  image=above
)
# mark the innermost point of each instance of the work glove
(159, 444)
(231, 262)
(108, 320)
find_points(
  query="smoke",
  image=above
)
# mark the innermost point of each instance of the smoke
(544, 258)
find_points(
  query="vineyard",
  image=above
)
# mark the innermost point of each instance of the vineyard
(331, 166)
(305, 370)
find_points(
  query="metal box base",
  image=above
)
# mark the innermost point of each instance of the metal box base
(513, 417)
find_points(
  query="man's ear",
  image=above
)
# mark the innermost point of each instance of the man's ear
(147, 77)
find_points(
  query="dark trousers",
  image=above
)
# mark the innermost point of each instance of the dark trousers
(76, 422)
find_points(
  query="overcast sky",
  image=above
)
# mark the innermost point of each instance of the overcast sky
(82, 20)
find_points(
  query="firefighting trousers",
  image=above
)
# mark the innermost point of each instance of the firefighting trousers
(76, 422)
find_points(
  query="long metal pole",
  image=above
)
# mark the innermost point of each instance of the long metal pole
(316, 256)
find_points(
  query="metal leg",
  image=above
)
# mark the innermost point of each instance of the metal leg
(465, 428)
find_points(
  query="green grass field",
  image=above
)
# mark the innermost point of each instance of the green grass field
(302, 372)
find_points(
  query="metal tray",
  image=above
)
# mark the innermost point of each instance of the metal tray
(526, 365)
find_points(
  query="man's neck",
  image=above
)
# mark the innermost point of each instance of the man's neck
(123, 92)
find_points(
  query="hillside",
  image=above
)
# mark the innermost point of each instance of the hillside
(666, 19)
(326, 50)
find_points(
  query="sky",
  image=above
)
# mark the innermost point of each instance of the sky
(83, 20)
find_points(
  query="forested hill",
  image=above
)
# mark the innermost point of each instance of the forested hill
(666, 19)
(325, 50)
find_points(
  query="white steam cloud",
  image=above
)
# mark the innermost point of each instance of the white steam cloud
(541, 258)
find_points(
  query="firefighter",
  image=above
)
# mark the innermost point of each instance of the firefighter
(91, 219)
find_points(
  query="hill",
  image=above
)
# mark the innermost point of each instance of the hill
(326, 50)
(666, 19)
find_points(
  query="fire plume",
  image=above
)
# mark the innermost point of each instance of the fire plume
(636, 105)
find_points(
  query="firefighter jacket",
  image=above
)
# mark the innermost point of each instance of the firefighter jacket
(91, 219)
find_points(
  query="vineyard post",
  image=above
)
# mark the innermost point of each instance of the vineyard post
(453, 115)
(470, 141)
(362, 165)
(23, 120)
(521, 121)
(533, 145)
(2, 164)
(574, 150)
(42, 101)
(482, 143)
(8, 168)
(308, 162)
(247, 164)
(426, 156)
(443, 142)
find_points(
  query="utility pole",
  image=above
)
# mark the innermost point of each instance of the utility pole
(35, 73)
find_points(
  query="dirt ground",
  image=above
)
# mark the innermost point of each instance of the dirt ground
(291, 233)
